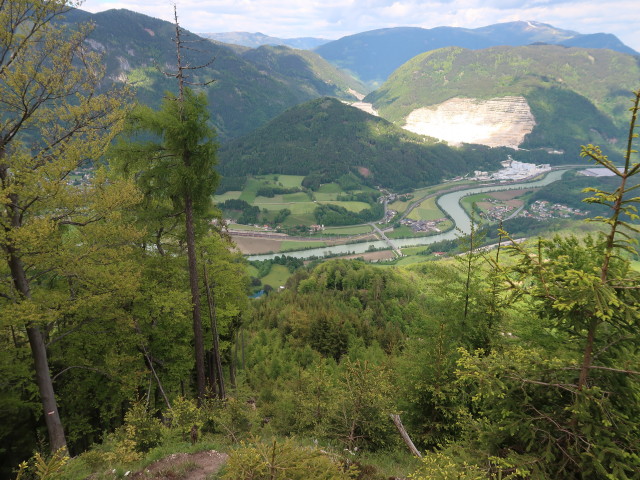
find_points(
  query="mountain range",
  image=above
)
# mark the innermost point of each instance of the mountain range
(250, 88)
(258, 39)
(561, 95)
(372, 56)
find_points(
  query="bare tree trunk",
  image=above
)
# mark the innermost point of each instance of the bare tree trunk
(405, 435)
(195, 298)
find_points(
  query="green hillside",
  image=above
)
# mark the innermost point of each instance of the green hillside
(304, 70)
(250, 88)
(574, 93)
(325, 140)
(374, 55)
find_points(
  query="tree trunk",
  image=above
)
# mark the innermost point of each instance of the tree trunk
(587, 355)
(45, 386)
(195, 298)
(55, 429)
(214, 332)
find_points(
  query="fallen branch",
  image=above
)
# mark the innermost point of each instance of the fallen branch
(405, 435)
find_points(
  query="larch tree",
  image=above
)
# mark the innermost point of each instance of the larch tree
(52, 122)
(173, 160)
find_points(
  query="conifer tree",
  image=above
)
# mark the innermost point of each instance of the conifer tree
(176, 165)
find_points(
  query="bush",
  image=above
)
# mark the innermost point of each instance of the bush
(282, 461)
(141, 428)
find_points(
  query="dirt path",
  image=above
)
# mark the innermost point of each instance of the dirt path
(184, 466)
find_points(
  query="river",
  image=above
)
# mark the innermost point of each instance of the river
(449, 203)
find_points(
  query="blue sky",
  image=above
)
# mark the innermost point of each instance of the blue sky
(333, 19)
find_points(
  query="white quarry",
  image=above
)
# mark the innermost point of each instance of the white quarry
(499, 122)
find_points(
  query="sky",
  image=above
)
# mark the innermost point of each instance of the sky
(332, 19)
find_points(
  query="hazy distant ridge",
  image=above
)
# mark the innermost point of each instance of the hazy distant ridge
(258, 39)
(372, 56)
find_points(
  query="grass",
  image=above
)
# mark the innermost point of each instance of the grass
(326, 197)
(413, 250)
(412, 260)
(277, 276)
(401, 206)
(397, 463)
(468, 201)
(234, 195)
(427, 210)
(290, 181)
(260, 201)
(90, 464)
(252, 271)
(292, 245)
(296, 197)
(250, 190)
(330, 188)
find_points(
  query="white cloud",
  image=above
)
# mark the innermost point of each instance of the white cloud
(336, 18)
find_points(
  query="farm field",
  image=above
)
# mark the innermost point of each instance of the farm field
(301, 205)
(427, 210)
(256, 246)
(290, 245)
(231, 195)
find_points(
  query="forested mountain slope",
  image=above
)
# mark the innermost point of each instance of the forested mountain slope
(250, 88)
(328, 139)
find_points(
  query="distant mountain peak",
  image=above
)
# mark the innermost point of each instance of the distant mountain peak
(257, 39)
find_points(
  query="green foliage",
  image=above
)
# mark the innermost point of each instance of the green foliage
(66, 248)
(184, 414)
(235, 418)
(570, 408)
(179, 158)
(360, 416)
(141, 428)
(43, 468)
(329, 214)
(271, 191)
(249, 214)
(452, 465)
(280, 461)
(228, 184)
